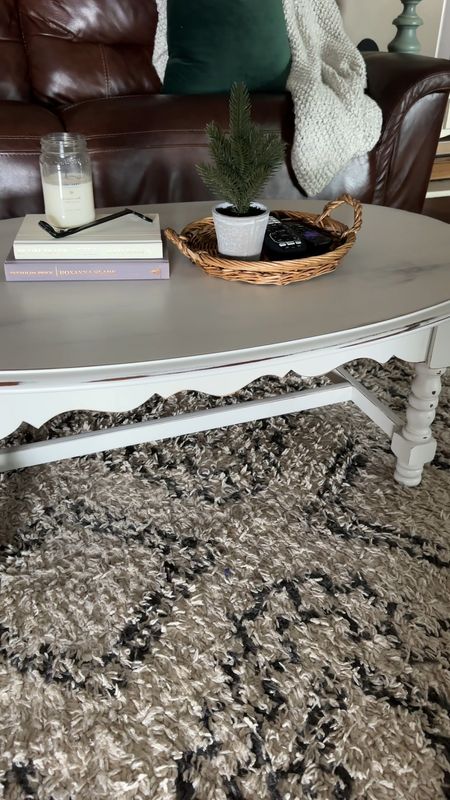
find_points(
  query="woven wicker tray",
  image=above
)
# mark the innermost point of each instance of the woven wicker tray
(197, 241)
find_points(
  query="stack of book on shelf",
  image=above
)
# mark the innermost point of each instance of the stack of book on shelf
(129, 247)
(441, 166)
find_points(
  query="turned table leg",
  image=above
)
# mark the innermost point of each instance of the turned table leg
(414, 445)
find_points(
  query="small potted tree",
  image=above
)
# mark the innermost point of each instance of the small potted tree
(242, 161)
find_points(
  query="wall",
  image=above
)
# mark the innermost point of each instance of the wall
(373, 19)
(444, 37)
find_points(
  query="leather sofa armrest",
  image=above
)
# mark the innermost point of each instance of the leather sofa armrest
(396, 81)
(412, 92)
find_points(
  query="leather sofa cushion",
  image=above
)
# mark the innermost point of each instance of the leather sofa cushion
(137, 115)
(80, 49)
(212, 45)
(22, 124)
(147, 146)
(21, 128)
(14, 84)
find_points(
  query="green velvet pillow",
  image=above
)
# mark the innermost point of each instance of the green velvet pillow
(215, 43)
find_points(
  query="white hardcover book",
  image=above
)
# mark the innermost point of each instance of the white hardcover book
(127, 237)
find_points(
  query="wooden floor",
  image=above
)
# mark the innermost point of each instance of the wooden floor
(438, 207)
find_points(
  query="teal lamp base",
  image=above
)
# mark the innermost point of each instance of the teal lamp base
(407, 23)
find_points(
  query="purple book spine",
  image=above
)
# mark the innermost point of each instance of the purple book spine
(108, 270)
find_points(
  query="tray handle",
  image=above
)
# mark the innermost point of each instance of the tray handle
(346, 199)
(180, 241)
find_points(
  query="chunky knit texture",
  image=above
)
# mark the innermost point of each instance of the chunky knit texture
(335, 121)
(160, 54)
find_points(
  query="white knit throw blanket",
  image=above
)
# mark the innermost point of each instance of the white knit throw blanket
(335, 120)
(160, 54)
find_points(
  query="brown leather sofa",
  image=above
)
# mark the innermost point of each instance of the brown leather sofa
(86, 66)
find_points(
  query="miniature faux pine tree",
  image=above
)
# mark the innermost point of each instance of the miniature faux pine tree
(244, 158)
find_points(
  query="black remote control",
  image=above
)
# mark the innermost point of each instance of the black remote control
(287, 238)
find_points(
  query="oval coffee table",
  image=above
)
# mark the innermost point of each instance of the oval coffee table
(109, 346)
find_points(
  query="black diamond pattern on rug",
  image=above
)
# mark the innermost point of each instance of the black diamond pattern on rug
(256, 612)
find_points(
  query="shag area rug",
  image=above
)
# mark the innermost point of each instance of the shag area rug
(254, 613)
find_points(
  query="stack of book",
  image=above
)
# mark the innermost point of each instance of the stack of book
(441, 166)
(127, 248)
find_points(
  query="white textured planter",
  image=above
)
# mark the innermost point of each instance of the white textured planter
(240, 237)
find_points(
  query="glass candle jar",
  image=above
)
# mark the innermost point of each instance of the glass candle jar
(66, 180)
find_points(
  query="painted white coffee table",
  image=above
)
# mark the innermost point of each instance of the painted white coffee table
(63, 346)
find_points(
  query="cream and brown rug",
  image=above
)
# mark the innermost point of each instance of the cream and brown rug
(256, 613)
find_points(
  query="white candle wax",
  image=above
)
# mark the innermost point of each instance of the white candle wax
(70, 204)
